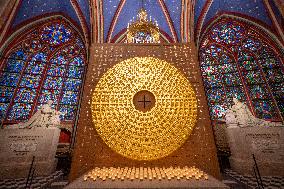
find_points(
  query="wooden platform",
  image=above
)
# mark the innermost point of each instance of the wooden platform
(211, 183)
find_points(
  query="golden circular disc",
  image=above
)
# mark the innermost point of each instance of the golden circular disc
(156, 132)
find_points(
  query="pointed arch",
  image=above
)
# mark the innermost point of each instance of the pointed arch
(45, 60)
(243, 60)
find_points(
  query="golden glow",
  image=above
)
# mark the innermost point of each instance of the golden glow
(144, 135)
(142, 30)
(145, 173)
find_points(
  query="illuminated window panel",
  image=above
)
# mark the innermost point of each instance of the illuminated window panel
(274, 75)
(47, 95)
(43, 61)
(19, 111)
(231, 79)
(246, 66)
(25, 95)
(252, 77)
(77, 61)
(31, 81)
(226, 68)
(3, 110)
(56, 70)
(37, 64)
(53, 82)
(235, 92)
(68, 111)
(75, 72)
(56, 34)
(70, 97)
(265, 109)
(251, 44)
(216, 95)
(258, 92)
(6, 93)
(72, 84)
(9, 79)
(14, 66)
(59, 59)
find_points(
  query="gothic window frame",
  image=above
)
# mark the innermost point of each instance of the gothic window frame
(233, 49)
(51, 49)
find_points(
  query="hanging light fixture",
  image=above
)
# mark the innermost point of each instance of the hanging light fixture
(143, 30)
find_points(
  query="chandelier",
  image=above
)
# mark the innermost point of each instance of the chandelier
(143, 30)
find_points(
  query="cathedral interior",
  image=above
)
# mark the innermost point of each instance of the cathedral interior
(142, 84)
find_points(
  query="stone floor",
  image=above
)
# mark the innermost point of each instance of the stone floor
(37, 183)
(249, 181)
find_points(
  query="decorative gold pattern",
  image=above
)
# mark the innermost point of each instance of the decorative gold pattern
(142, 30)
(144, 135)
(145, 173)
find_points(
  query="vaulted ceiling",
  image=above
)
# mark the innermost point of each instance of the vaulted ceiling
(173, 16)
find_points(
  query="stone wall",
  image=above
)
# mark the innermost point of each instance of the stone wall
(90, 150)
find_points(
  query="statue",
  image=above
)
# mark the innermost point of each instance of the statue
(240, 114)
(45, 117)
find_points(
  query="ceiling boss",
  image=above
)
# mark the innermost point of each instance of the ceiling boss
(144, 108)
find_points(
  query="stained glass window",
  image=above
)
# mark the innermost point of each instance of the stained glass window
(238, 61)
(44, 64)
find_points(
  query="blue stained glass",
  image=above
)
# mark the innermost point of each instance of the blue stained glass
(248, 65)
(56, 34)
(216, 95)
(19, 111)
(209, 70)
(3, 109)
(9, 79)
(207, 60)
(213, 50)
(236, 92)
(80, 43)
(228, 33)
(218, 111)
(30, 81)
(59, 59)
(224, 59)
(47, 95)
(274, 75)
(264, 109)
(6, 94)
(14, 65)
(251, 44)
(56, 70)
(53, 82)
(225, 68)
(26, 95)
(37, 64)
(35, 45)
(213, 81)
(277, 90)
(72, 84)
(75, 71)
(77, 61)
(269, 62)
(253, 77)
(258, 91)
(68, 111)
(19, 54)
(70, 97)
(278, 94)
(231, 79)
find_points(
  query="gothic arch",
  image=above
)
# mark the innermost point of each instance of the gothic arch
(237, 59)
(43, 61)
